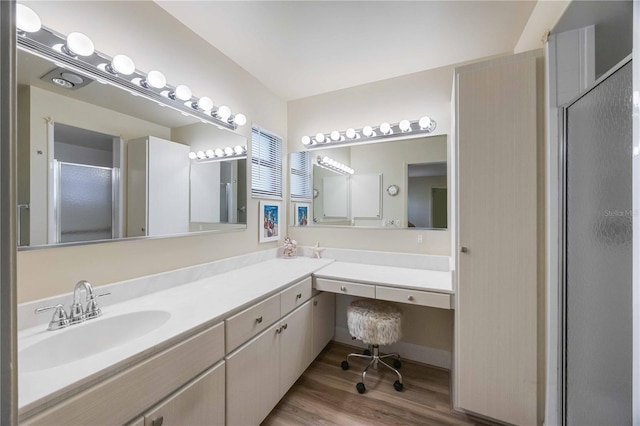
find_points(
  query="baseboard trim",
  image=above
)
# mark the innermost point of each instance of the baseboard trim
(422, 354)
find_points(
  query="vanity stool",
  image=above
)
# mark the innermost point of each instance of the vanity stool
(375, 322)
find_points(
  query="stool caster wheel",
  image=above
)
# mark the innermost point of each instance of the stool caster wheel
(360, 387)
(366, 352)
(344, 365)
(397, 363)
(397, 385)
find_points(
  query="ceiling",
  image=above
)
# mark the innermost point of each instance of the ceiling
(303, 48)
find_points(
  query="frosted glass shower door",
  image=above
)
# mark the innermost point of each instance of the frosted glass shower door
(598, 340)
(85, 202)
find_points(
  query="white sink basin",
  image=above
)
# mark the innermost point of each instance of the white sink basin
(89, 338)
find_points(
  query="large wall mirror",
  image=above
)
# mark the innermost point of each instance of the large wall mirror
(394, 184)
(77, 142)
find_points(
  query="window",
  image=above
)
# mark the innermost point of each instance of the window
(301, 175)
(266, 164)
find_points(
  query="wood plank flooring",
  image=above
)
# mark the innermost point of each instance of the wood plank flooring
(326, 395)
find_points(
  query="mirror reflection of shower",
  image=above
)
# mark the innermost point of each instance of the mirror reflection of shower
(86, 190)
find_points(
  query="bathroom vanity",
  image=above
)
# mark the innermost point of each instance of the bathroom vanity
(206, 344)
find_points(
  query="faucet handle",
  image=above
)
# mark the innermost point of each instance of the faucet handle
(92, 310)
(59, 319)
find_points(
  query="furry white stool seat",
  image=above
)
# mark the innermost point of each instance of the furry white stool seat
(375, 323)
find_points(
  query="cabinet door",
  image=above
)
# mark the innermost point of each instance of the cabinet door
(496, 317)
(168, 186)
(252, 379)
(200, 402)
(324, 321)
(295, 346)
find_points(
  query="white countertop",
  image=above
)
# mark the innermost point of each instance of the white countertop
(193, 307)
(418, 279)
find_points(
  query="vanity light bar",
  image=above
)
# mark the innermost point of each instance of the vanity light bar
(76, 53)
(219, 154)
(424, 125)
(333, 165)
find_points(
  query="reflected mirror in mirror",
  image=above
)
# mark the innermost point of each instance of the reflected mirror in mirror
(416, 169)
(74, 168)
(427, 195)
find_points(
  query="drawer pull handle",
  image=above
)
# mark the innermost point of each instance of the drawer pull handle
(298, 296)
(284, 326)
(278, 330)
(343, 288)
(158, 421)
(259, 320)
(410, 298)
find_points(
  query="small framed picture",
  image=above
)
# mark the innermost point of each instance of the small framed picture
(302, 212)
(269, 221)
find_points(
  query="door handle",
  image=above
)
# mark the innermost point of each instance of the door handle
(464, 249)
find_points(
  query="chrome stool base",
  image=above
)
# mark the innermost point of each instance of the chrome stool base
(375, 358)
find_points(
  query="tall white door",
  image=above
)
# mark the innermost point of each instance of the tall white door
(496, 316)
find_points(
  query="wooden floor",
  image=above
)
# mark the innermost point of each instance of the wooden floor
(326, 395)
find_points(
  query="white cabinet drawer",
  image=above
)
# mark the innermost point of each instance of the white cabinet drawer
(126, 394)
(199, 402)
(342, 287)
(246, 324)
(414, 297)
(295, 296)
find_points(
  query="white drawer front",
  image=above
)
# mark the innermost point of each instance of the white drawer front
(342, 287)
(126, 394)
(414, 297)
(246, 324)
(295, 296)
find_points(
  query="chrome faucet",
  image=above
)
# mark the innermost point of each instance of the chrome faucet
(77, 313)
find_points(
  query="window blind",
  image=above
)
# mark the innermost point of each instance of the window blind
(301, 178)
(266, 163)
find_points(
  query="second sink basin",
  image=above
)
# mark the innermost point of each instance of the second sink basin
(89, 338)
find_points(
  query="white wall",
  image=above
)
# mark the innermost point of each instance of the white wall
(410, 97)
(154, 40)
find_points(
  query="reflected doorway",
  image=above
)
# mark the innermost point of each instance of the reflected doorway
(86, 186)
(427, 195)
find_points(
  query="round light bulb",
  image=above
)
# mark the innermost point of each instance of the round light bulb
(228, 150)
(320, 137)
(156, 79)
(424, 122)
(219, 152)
(351, 133)
(27, 20)
(224, 112)
(200, 154)
(335, 135)
(405, 126)
(306, 140)
(182, 92)
(192, 155)
(79, 44)
(122, 64)
(367, 131)
(238, 150)
(205, 103)
(240, 119)
(325, 160)
(209, 153)
(385, 128)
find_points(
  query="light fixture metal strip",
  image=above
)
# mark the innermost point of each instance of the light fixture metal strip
(38, 44)
(395, 132)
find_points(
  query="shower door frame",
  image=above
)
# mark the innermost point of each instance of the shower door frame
(562, 227)
(57, 197)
